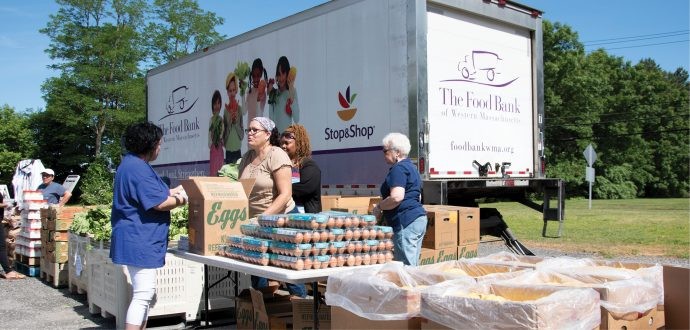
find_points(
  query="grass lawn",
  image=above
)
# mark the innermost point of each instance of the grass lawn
(655, 227)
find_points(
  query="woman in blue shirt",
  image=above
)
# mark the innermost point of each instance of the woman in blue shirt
(140, 217)
(401, 204)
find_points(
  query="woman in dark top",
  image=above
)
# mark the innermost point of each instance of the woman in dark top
(306, 175)
(401, 204)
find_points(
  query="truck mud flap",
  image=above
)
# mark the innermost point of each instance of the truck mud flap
(492, 223)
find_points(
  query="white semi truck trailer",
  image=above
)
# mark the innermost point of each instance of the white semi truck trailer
(462, 78)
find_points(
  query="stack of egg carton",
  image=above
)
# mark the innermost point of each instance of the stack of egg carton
(28, 248)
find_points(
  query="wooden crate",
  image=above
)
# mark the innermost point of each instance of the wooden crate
(29, 261)
(54, 273)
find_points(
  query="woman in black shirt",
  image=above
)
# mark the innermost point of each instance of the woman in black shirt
(306, 175)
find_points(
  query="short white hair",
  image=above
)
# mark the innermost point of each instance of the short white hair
(397, 141)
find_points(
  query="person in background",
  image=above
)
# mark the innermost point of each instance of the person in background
(271, 167)
(401, 200)
(53, 192)
(232, 122)
(306, 175)
(8, 272)
(215, 135)
(140, 217)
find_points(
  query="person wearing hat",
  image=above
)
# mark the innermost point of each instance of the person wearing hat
(53, 192)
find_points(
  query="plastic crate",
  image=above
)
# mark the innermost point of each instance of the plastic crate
(31, 271)
(179, 288)
(77, 246)
(222, 295)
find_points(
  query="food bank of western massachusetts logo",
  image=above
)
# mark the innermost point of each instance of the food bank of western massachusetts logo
(348, 111)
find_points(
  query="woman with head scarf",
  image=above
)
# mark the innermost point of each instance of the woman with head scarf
(271, 167)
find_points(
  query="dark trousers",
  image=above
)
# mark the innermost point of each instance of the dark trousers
(4, 262)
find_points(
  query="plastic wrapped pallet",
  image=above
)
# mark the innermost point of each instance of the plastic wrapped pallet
(386, 293)
(509, 259)
(459, 306)
(455, 269)
(609, 269)
(620, 293)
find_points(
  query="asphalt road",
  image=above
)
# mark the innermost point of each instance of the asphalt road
(34, 304)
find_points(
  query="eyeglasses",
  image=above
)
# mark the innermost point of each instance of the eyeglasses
(386, 150)
(288, 135)
(254, 130)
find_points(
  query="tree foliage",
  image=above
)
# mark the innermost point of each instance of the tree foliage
(97, 183)
(16, 142)
(635, 116)
(177, 28)
(100, 50)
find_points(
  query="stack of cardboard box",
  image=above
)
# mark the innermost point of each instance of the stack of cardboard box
(55, 223)
(452, 233)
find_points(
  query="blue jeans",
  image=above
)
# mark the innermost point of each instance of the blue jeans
(294, 289)
(407, 242)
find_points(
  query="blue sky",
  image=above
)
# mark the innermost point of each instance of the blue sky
(659, 30)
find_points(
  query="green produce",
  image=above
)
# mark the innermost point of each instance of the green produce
(178, 223)
(80, 224)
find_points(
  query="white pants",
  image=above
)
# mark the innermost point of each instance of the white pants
(143, 291)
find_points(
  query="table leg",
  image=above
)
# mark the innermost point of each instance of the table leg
(237, 284)
(317, 298)
(206, 290)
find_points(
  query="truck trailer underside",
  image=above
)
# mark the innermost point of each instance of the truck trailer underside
(466, 193)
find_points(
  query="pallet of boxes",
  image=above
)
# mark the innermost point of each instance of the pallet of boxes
(28, 241)
(55, 222)
(452, 233)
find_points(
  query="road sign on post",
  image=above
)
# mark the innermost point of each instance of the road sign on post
(591, 157)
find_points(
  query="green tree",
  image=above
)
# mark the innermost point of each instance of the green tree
(178, 28)
(635, 116)
(97, 49)
(97, 183)
(16, 142)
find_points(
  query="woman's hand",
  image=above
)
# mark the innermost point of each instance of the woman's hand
(176, 190)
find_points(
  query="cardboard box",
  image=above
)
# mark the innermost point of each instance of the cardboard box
(676, 299)
(217, 208)
(431, 325)
(303, 315)
(441, 229)
(468, 225)
(344, 319)
(261, 310)
(431, 256)
(652, 319)
(524, 307)
(352, 204)
(468, 222)
(468, 251)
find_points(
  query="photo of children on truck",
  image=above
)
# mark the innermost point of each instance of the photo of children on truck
(256, 97)
(283, 100)
(232, 120)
